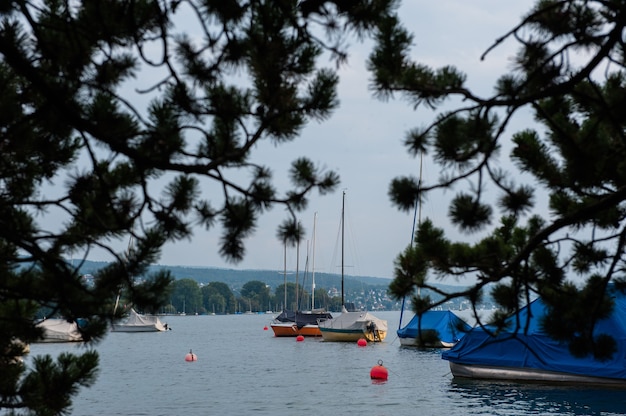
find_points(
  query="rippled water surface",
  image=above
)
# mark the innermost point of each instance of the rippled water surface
(243, 369)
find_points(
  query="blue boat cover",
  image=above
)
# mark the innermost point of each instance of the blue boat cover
(534, 349)
(450, 328)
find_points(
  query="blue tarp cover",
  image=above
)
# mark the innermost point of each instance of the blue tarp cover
(533, 349)
(450, 327)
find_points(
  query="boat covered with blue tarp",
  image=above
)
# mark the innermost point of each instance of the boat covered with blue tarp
(438, 329)
(528, 353)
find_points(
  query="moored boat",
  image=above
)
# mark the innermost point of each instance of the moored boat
(136, 322)
(305, 323)
(292, 324)
(59, 330)
(529, 354)
(529, 375)
(351, 326)
(435, 329)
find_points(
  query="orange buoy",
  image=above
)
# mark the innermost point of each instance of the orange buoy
(191, 356)
(300, 338)
(379, 372)
(361, 342)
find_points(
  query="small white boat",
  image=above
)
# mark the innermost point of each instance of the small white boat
(136, 322)
(59, 330)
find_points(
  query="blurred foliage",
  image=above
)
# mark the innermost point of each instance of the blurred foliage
(138, 120)
(548, 218)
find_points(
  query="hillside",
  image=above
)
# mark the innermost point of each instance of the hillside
(237, 278)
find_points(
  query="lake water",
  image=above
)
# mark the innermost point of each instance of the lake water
(243, 369)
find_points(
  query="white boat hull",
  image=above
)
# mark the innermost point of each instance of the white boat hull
(527, 374)
(135, 328)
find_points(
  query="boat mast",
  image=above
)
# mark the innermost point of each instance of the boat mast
(297, 267)
(313, 266)
(343, 217)
(285, 273)
(417, 218)
(128, 252)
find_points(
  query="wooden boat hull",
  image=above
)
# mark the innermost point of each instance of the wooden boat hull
(352, 335)
(527, 375)
(292, 330)
(351, 326)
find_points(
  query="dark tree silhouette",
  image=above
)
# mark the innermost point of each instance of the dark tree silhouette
(119, 121)
(569, 72)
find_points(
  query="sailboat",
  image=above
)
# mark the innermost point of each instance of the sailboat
(432, 329)
(305, 323)
(137, 322)
(352, 326)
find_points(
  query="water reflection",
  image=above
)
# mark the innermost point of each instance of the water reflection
(506, 398)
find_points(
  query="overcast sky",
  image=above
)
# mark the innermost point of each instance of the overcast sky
(362, 141)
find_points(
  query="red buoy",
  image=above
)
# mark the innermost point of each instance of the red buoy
(191, 356)
(361, 342)
(379, 372)
(300, 338)
(265, 328)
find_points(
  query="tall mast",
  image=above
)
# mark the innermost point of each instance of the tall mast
(285, 273)
(343, 216)
(297, 267)
(417, 218)
(313, 267)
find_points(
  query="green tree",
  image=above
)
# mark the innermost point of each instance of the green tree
(217, 302)
(79, 150)
(335, 304)
(279, 296)
(258, 292)
(322, 300)
(217, 297)
(186, 296)
(304, 299)
(569, 72)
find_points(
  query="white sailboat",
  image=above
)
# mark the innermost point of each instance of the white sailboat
(137, 322)
(352, 326)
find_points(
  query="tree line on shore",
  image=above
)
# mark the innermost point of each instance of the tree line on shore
(187, 296)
